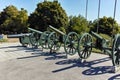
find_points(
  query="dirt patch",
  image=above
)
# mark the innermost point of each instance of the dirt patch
(13, 40)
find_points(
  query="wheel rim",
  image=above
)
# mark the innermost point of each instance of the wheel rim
(44, 40)
(53, 42)
(34, 38)
(71, 43)
(116, 51)
(85, 46)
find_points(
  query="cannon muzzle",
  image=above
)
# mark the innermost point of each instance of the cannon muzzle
(56, 30)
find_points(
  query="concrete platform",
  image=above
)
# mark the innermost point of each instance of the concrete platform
(21, 63)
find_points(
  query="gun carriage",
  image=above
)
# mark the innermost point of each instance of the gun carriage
(112, 48)
(85, 45)
(35, 38)
(57, 38)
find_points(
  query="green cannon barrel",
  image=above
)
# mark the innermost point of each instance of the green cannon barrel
(69, 40)
(96, 35)
(56, 30)
(17, 35)
(33, 30)
(35, 37)
(23, 38)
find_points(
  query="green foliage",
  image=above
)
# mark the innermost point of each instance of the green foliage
(96, 50)
(62, 29)
(22, 20)
(106, 37)
(78, 24)
(107, 25)
(48, 13)
(12, 20)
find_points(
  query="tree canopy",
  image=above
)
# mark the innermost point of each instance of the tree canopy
(107, 25)
(48, 13)
(12, 20)
(78, 24)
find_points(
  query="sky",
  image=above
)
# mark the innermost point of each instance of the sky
(72, 7)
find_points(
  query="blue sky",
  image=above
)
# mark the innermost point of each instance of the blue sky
(72, 7)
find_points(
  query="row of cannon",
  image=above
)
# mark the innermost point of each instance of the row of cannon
(52, 39)
(72, 43)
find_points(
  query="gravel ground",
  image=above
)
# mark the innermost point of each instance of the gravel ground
(21, 63)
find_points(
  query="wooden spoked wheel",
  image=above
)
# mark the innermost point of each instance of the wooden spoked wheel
(71, 43)
(116, 51)
(44, 40)
(34, 38)
(85, 46)
(53, 41)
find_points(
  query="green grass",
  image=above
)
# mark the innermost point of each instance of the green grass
(3, 40)
(96, 50)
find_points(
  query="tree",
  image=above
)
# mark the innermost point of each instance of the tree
(22, 20)
(12, 20)
(78, 24)
(6, 17)
(48, 13)
(107, 25)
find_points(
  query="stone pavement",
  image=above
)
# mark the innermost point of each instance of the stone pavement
(21, 63)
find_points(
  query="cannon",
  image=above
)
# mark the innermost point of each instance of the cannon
(35, 38)
(23, 38)
(57, 38)
(39, 38)
(85, 45)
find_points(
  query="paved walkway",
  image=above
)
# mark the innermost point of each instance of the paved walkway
(20, 63)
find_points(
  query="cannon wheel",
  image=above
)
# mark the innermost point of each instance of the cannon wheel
(53, 42)
(116, 51)
(21, 39)
(44, 40)
(34, 37)
(71, 43)
(85, 46)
